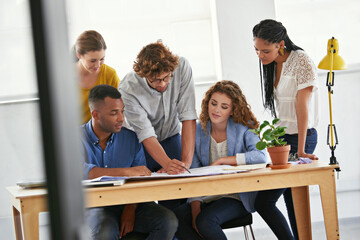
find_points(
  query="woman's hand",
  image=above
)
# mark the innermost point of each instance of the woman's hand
(127, 219)
(225, 161)
(307, 155)
(217, 162)
(195, 210)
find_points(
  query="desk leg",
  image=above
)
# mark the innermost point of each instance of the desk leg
(329, 204)
(302, 211)
(30, 219)
(17, 224)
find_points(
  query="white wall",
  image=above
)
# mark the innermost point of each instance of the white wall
(310, 23)
(239, 63)
(127, 26)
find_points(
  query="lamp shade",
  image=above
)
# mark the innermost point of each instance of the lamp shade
(338, 61)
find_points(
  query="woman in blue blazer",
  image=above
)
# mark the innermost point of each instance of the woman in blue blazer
(222, 137)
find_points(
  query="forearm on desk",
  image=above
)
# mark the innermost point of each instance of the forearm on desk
(126, 172)
(302, 116)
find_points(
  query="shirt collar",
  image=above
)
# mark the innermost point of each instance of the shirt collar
(153, 91)
(93, 138)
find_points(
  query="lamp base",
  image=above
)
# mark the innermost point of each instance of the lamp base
(333, 159)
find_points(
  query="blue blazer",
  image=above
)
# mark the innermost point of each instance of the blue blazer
(239, 140)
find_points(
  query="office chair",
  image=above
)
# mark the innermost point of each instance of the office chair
(241, 222)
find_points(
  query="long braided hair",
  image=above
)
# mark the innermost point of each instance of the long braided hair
(272, 32)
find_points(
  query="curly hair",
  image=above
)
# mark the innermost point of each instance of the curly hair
(155, 59)
(241, 109)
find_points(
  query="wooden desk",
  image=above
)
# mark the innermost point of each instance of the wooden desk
(28, 203)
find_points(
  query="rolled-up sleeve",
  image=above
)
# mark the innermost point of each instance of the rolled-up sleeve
(87, 166)
(252, 155)
(186, 102)
(137, 117)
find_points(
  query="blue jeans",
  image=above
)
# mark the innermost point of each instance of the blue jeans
(265, 203)
(209, 220)
(172, 147)
(152, 221)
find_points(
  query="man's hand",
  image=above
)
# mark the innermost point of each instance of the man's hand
(138, 171)
(174, 167)
(127, 219)
(156, 151)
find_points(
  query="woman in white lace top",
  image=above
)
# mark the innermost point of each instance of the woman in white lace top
(290, 92)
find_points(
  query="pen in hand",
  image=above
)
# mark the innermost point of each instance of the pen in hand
(186, 169)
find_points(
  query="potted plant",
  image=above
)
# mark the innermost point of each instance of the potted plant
(270, 139)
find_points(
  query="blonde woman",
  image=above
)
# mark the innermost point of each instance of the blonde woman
(89, 51)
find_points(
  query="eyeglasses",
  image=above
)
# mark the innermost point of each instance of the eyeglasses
(165, 79)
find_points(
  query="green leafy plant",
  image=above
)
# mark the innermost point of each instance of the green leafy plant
(270, 137)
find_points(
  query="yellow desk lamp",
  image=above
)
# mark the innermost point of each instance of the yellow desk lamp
(332, 61)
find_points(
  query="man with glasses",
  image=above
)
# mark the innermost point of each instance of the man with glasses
(159, 97)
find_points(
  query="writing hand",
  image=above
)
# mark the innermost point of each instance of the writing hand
(175, 166)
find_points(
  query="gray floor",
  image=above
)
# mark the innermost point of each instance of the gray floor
(349, 230)
(348, 212)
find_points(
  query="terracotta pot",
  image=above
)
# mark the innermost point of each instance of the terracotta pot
(279, 155)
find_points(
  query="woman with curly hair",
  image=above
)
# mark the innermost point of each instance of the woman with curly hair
(222, 137)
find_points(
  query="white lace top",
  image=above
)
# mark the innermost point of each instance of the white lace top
(298, 72)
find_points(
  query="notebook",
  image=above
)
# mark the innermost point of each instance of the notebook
(100, 182)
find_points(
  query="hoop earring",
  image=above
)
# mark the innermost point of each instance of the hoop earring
(281, 51)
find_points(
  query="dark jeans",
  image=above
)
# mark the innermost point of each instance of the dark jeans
(152, 221)
(172, 147)
(265, 203)
(209, 220)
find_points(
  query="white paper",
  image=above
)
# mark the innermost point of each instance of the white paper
(195, 172)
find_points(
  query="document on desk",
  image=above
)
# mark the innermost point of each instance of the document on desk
(195, 172)
(104, 181)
